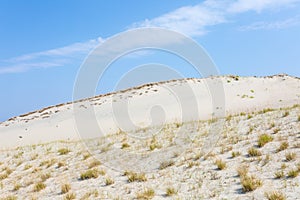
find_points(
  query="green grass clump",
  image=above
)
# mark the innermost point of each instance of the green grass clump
(264, 139)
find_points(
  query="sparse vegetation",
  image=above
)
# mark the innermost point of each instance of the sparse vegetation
(283, 145)
(69, 196)
(220, 164)
(139, 177)
(242, 170)
(65, 188)
(166, 164)
(63, 151)
(39, 186)
(264, 139)
(293, 173)
(235, 154)
(171, 191)
(125, 145)
(252, 152)
(94, 163)
(146, 194)
(285, 114)
(250, 183)
(91, 173)
(279, 174)
(275, 195)
(109, 181)
(290, 156)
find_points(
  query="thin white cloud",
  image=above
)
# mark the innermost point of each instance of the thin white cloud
(51, 58)
(241, 6)
(263, 25)
(190, 20)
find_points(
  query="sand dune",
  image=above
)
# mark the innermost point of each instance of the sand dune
(150, 105)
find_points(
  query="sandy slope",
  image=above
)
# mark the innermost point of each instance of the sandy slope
(179, 101)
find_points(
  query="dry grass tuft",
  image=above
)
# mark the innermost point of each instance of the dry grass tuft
(275, 195)
(65, 188)
(252, 152)
(146, 194)
(39, 186)
(220, 164)
(283, 145)
(91, 173)
(250, 183)
(138, 177)
(290, 156)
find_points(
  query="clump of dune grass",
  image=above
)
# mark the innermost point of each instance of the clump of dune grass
(264, 139)
(17, 186)
(166, 164)
(94, 163)
(275, 195)
(10, 197)
(252, 152)
(91, 173)
(242, 170)
(63, 151)
(290, 156)
(125, 145)
(235, 154)
(220, 164)
(171, 191)
(65, 188)
(69, 196)
(146, 194)
(250, 183)
(283, 145)
(109, 181)
(138, 177)
(293, 173)
(279, 174)
(285, 114)
(39, 186)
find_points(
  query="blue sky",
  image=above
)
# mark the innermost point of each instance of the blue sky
(43, 43)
